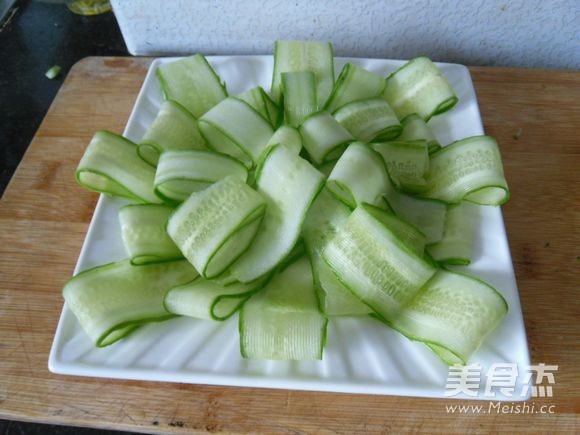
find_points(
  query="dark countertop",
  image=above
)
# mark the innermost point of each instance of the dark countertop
(34, 36)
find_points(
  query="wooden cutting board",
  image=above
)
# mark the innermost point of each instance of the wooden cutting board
(535, 115)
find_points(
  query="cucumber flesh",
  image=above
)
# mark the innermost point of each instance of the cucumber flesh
(324, 138)
(354, 83)
(369, 120)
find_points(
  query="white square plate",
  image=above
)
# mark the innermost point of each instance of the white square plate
(361, 356)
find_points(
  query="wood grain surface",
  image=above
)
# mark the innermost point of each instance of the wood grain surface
(44, 214)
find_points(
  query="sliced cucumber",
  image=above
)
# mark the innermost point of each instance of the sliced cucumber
(354, 83)
(375, 264)
(419, 87)
(283, 321)
(112, 166)
(324, 219)
(414, 128)
(144, 235)
(191, 82)
(469, 169)
(112, 300)
(180, 173)
(312, 56)
(407, 163)
(219, 142)
(299, 89)
(241, 124)
(174, 128)
(212, 228)
(289, 184)
(369, 120)
(358, 176)
(287, 136)
(452, 314)
(456, 246)
(205, 299)
(323, 137)
(259, 99)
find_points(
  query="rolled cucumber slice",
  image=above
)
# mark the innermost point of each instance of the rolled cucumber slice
(287, 136)
(241, 124)
(419, 87)
(205, 299)
(259, 99)
(358, 176)
(369, 120)
(299, 89)
(191, 82)
(354, 83)
(414, 128)
(311, 56)
(283, 322)
(324, 219)
(112, 166)
(324, 138)
(174, 128)
(469, 169)
(112, 300)
(407, 163)
(379, 268)
(289, 184)
(212, 228)
(452, 314)
(180, 173)
(456, 246)
(144, 235)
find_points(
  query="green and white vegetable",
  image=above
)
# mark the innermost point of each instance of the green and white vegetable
(259, 99)
(414, 128)
(113, 300)
(324, 138)
(144, 235)
(214, 227)
(299, 90)
(407, 163)
(180, 173)
(174, 128)
(283, 321)
(112, 166)
(419, 87)
(369, 120)
(191, 82)
(354, 83)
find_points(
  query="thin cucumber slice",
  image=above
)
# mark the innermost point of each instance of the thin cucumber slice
(407, 163)
(419, 87)
(191, 82)
(410, 236)
(375, 264)
(205, 299)
(469, 169)
(428, 215)
(414, 128)
(299, 89)
(287, 136)
(112, 166)
(452, 314)
(323, 137)
(312, 56)
(358, 176)
(144, 235)
(214, 227)
(456, 246)
(369, 120)
(354, 83)
(180, 173)
(322, 222)
(217, 141)
(240, 122)
(112, 300)
(327, 167)
(174, 128)
(283, 322)
(289, 184)
(259, 99)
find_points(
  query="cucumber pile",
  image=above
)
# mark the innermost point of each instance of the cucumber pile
(320, 198)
